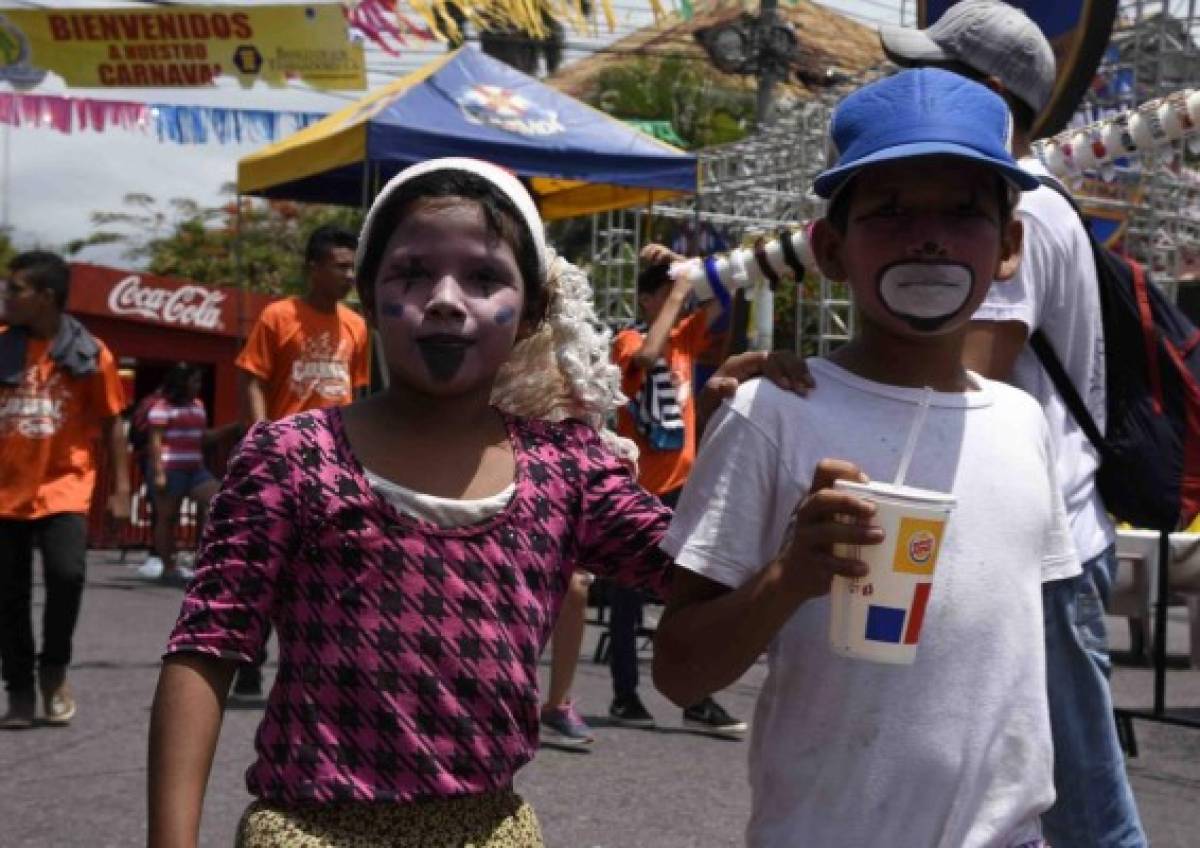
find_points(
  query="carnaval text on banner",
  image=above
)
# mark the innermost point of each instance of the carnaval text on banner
(180, 46)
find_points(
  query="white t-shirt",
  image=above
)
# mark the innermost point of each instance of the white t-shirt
(953, 751)
(1056, 291)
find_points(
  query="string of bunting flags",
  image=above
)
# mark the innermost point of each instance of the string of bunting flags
(178, 123)
(187, 124)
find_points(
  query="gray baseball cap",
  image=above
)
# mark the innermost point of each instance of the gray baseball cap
(989, 36)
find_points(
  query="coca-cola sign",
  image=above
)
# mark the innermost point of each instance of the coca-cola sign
(162, 303)
(189, 305)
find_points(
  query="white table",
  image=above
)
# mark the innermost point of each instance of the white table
(1136, 586)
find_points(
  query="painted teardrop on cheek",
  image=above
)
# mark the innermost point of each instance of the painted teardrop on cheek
(392, 310)
(505, 315)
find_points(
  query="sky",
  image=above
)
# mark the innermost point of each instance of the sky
(53, 182)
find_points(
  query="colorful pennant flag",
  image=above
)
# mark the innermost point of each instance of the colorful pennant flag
(182, 124)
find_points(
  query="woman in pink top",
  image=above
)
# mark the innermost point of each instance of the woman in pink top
(412, 549)
(175, 462)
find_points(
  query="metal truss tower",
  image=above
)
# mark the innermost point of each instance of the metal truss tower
(756, 186)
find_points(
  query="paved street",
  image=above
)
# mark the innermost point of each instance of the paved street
(85, 785)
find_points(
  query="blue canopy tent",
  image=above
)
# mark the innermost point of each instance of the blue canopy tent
(576, 159)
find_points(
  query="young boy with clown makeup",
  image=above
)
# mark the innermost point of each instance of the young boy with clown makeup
(953, 750)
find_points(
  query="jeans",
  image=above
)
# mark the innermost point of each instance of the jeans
(625, 616)
(1094, 806)
(62, 539)
(1094, 592)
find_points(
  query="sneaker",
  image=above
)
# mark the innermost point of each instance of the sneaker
(179, 576)
(566, 726)
(151, 569)
(57, 701)
(630, 712)
(248, 683)
(710, 717)
(22, 708)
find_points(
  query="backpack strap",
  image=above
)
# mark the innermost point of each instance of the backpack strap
(1058, 375)
(1045, 351)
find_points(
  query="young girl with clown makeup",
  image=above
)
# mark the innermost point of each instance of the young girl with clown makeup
(412, 549)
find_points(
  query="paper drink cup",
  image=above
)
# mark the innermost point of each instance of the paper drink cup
(878, 617)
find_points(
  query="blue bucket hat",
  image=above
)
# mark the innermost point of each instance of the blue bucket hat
(923, 112)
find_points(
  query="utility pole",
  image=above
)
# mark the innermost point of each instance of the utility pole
(768, 68)
(761, 45)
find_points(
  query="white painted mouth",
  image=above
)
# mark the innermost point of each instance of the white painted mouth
(925, 290)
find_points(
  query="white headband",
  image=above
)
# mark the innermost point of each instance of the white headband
(508, 185)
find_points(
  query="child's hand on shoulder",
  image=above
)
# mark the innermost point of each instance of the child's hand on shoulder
(824, 518)
(782, 367)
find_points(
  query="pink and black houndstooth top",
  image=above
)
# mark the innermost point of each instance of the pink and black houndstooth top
(408, 652)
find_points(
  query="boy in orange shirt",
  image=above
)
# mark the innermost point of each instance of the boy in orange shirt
(306, 353)
(59, 390)
(657, 366)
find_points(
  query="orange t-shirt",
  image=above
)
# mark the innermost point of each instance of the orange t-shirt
(49, 426)
(308, 359)
(661, 471)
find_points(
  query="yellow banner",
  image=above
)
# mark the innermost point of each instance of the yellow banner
(180, 46)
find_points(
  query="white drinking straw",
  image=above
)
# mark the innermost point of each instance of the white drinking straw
(914, 433)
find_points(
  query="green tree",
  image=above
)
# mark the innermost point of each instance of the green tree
(678, 90)
(262, 248)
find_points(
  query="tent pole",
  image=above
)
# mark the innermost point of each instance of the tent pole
(243, 283)
(243, 289)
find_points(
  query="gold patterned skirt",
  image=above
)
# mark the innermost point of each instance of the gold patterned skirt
(495, 820)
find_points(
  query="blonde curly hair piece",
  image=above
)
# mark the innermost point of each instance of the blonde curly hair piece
(563, 370)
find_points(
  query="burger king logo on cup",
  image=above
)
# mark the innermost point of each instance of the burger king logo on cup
(920, 546)
(917, 545)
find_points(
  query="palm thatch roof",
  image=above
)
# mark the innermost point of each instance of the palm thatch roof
(831, 48)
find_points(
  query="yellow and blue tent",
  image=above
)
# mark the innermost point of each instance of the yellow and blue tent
(576, 159)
